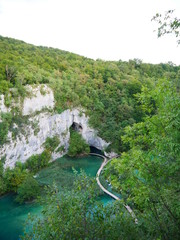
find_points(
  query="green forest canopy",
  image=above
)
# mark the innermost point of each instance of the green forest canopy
(105, 89)
(134, 105)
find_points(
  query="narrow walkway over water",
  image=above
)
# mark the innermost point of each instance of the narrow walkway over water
(106, 160)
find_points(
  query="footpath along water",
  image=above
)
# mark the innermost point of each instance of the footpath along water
(13, 215)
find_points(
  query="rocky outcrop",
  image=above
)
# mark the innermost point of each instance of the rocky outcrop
(31, 138)
(3, 108)
(43, 97)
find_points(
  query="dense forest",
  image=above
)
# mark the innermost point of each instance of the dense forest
(133, 105)
(106, 90)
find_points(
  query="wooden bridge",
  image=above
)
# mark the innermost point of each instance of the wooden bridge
(106, 160)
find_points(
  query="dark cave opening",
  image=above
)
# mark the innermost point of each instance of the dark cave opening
(76, 127)
(96, 150)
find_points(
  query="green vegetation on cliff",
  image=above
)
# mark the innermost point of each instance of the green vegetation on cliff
(106, 90)
(77, 145)
(28, 190)
(133, 105)
(19, 178)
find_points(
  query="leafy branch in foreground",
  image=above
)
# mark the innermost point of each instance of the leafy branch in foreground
(78, 214)
(147, 176)
(168, 24)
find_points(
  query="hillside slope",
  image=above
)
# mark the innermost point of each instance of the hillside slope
(105, 89)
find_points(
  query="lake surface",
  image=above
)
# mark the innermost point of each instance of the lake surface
(14, 215)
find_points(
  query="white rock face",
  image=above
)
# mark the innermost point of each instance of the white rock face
(3, 108)
(39, 100)
(30, 141)
(49, 125)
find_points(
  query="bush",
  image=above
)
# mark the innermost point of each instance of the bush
(28, 190)
(14, 177)
(11, 179)
(37, 162)
(3, 87)
(4, 126)
(2, 184)
(78, 215)
(77, 145)
(51, 143)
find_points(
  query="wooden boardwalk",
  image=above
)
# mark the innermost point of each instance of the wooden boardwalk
(105, 190)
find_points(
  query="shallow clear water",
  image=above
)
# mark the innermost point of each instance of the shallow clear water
(13, 215)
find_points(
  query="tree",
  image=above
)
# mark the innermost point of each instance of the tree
(79, 215)
(10, 73)
(77, 145)
(148, 174)
(2, 184)
(14, 177)
(51, 143)
(37, 162)
(168, 24)
(4, 126)
(3, 87)
(28, 190)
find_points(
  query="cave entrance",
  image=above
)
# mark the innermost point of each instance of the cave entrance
(77, 127)
(96, 150)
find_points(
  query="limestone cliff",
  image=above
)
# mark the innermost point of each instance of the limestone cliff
(3, 108)
(47, 124)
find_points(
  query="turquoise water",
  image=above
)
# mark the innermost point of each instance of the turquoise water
(14, 215)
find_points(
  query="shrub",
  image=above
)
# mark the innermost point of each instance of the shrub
(51, 143)
(3, 86)
(4, 126)
(14, 177)
(28, 190)
(37, 162)
(77, 145)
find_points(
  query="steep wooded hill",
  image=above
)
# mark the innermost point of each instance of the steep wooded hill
(106, 89)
